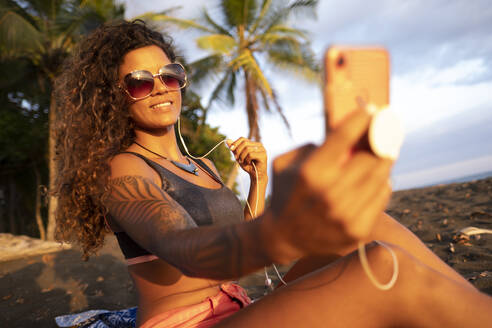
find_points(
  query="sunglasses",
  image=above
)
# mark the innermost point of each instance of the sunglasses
(140, 84)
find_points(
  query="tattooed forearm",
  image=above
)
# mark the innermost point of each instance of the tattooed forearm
(159, 224)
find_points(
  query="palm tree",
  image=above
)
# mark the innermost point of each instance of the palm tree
(41, 34)
(245, 37)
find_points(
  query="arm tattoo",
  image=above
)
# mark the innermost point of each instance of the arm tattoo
(138, 199)
(159, 224)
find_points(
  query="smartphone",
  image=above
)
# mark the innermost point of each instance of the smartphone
(354, 77)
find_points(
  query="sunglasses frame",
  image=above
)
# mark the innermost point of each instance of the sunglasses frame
(159, 74)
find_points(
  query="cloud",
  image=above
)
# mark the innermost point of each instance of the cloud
(417, 32)
(425, 96)
(463, 72)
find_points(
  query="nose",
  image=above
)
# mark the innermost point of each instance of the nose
(159, 86)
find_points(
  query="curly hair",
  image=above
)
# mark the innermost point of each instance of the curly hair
(93, 125)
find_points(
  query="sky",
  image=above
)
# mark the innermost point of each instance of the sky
(441, 81)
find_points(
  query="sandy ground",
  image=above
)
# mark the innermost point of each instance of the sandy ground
(39, 281)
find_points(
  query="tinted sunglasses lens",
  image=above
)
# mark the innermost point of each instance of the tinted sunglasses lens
(173, 76)
(171, 82)
(139, 86)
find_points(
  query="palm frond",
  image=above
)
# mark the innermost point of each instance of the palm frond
(266, 99)
(106, 9)
(280, 14)
(238, 12)
(280, 111)
(11, 5)
(178, 22)
(247, 62)
(304, 8)
(18, 36)
(231, 92)
(300, 60)
(268, 40)
(217, 43)
(265, 6)
(290, 31)
(224, 91)
(209, 20)
(93, 13)
(275, 16)
(204, 68)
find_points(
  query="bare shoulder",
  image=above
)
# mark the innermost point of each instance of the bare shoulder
(125, 164)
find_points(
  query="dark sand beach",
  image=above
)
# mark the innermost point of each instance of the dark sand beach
(36, 288)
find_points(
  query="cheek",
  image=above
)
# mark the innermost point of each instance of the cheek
(136, 110)
(132, 110)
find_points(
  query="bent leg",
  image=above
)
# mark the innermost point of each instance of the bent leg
(386, 229)
(389, 230)
(340, 295)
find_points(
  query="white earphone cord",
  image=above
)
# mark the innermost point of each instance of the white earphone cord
(361, 249)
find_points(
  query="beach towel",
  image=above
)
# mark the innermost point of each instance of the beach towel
(99, 319)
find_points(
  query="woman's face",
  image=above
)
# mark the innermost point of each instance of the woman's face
(161, 109)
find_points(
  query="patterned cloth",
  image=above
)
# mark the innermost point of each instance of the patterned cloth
(229, 300)
(99, 319)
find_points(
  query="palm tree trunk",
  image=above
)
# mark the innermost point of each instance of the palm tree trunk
(53, 201)
(12, 205)
(254, 133)
(39, 219)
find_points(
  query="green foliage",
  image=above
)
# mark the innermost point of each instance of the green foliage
(23, 135)
(35, 37)
(238, 13)
(201, 137)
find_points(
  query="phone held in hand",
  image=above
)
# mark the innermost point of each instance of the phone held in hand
(358, 77)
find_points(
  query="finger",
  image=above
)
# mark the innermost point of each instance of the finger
(343, 137)
(254, 150)
(243, 146)
(238, 141)
(372, 209)
(246, 147)
(256, 156)
(373, 188)
(359, 216)
(355, 172)
(239, 146)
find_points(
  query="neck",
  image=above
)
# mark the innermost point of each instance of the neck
(163, 143)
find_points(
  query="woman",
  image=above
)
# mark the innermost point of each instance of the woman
(183, 233)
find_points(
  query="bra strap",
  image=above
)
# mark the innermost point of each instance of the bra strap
(209, 170)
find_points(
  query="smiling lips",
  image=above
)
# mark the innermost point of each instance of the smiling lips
(161, 105)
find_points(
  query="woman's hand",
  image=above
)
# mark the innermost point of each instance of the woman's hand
(247, 152)
(323, 200)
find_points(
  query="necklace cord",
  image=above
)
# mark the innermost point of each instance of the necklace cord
(361, 247)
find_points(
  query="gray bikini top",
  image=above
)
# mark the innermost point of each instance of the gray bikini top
(206, 206)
